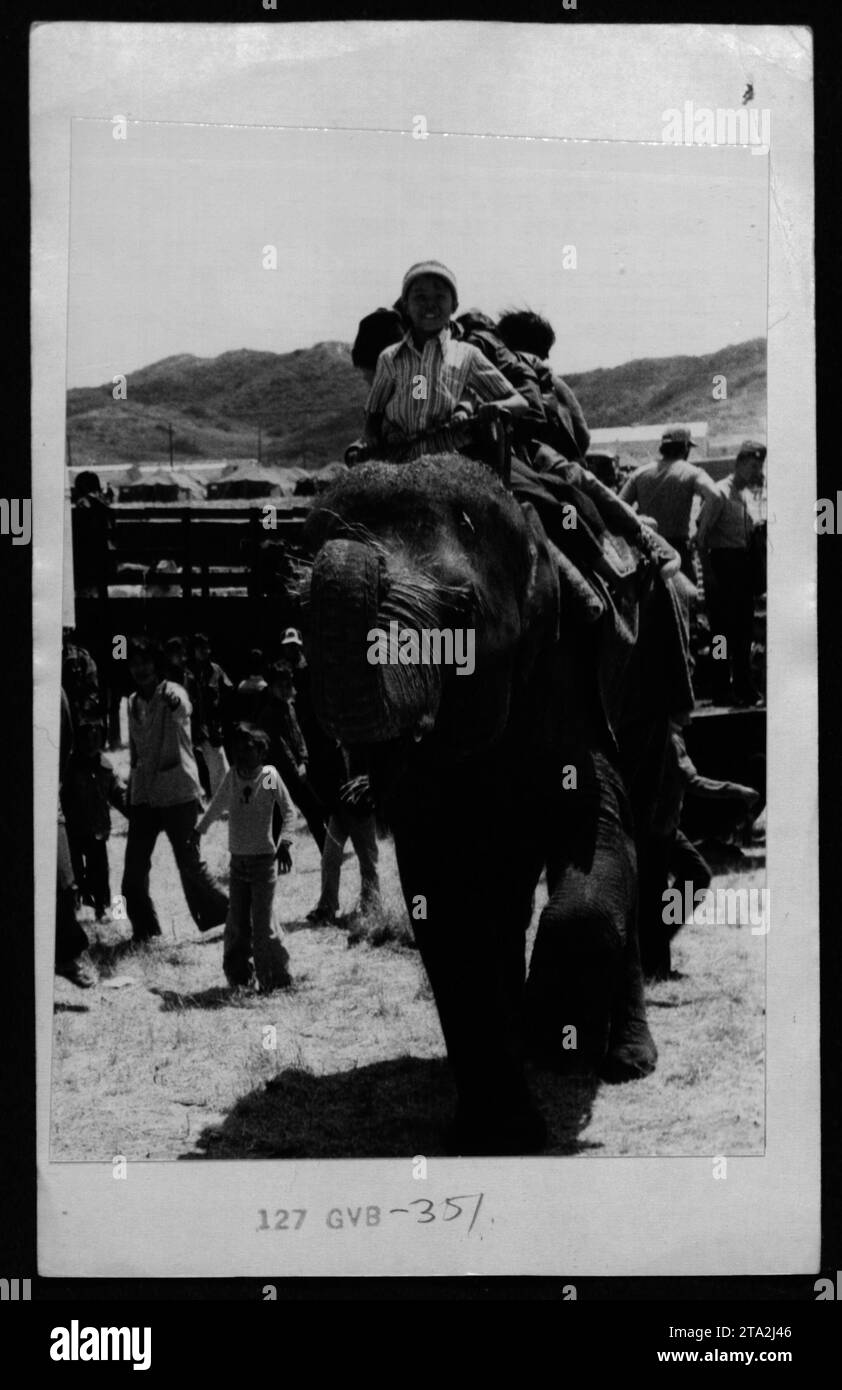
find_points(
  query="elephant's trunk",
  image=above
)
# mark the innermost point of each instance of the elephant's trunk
(358, 701)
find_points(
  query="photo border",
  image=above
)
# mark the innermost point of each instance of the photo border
(522, 1233)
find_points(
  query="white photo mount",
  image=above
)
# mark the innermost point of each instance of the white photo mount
(572, 1216)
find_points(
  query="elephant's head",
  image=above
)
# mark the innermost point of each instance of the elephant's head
(436, 546)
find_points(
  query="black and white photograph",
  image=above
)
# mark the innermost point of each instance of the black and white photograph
(426, 650)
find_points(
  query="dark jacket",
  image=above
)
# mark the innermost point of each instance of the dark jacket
(566, 428)
(515, 368)
(211, 697)
(287, 749)
(80, 682)
(89, 789)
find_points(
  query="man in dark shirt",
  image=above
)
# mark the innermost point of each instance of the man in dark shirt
(211, 699)
(251, 692)
(287, 748)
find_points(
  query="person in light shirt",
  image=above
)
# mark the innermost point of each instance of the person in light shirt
(665, 491)
(165, 794)
(725, 540)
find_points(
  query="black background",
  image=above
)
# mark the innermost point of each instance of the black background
(651, 1304)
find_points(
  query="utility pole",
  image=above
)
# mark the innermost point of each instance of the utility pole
(169, 431)
(259, 445)
(69, 452)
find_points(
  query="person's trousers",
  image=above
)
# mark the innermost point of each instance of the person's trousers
(688, 865)
(208, 905)
(115, 701)
(90, 865)
(685, 552)
(71, 939)
(304, 797)
(251, 931)
(363, 836)
(731, 615)
(215, 762)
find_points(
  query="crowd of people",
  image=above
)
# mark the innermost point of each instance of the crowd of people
(203, 746)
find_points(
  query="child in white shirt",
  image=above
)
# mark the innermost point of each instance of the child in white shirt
(249, 792)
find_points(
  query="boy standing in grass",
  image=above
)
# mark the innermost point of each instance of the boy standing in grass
(250, 791)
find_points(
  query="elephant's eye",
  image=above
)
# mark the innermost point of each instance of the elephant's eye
(467, 520)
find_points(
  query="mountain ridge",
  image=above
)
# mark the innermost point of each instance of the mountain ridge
(308, 403)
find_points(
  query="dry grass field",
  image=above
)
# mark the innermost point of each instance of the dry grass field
(349, 1062)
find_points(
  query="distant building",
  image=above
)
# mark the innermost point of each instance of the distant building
(641, 441)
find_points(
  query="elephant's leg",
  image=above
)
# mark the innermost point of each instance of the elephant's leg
(472, 944)
(585, 991)
(575, 971)
(631, 1051)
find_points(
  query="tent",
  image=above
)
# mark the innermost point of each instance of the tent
(246, 480)
(194, 487)
(156, 485)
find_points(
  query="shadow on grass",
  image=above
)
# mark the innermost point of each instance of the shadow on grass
(107, 955)
(216, 997)
(301, 924)
(393, 1109)
(384, 926)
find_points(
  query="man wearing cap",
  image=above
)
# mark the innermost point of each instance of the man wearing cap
(725, 539)
(430, 378)
(665, 490)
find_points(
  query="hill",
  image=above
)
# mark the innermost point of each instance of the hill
(660, 390)
(309, 403)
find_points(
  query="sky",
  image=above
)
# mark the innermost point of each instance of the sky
(168, 229)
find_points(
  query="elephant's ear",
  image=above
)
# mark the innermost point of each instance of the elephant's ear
(540, 609)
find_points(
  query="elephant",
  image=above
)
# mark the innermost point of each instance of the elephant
(488, 778)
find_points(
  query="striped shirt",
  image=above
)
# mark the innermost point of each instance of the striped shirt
(417, 391)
